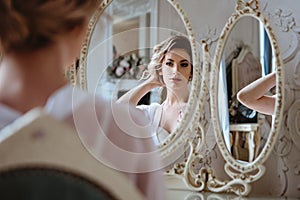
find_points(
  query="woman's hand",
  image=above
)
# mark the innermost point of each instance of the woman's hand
(156, 79)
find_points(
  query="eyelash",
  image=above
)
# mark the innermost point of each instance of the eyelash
(182, 64)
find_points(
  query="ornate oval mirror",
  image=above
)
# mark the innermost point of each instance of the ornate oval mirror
(246, 51)
(241, 63)
(117, 50)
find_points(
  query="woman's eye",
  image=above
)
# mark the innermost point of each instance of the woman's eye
(169, 63)
(184, 64)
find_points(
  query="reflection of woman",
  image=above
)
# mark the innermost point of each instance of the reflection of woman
(170, 67)
(255, 95)
(38, 39)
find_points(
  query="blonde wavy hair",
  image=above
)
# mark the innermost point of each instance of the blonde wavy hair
(33, 24)
(160, 50)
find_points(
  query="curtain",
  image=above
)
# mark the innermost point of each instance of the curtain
(223, 104)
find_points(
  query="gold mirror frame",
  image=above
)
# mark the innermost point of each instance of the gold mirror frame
(188, 132)
(242, 175)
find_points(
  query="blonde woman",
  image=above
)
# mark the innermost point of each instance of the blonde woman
(171, 68)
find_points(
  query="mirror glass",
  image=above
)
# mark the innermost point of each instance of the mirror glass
(246, 57)
(118, 49)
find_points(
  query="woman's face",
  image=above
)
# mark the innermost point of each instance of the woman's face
(176, 68)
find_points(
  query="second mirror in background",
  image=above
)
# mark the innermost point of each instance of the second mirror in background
(246, 57)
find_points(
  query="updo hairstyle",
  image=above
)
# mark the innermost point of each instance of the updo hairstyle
(27, 25)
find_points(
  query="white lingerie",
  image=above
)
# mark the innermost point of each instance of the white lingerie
(154, 113)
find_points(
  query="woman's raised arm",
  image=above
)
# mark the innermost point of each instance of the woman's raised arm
(134, 95)
(255, 96)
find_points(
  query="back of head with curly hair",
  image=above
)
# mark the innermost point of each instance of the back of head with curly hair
(33, 24)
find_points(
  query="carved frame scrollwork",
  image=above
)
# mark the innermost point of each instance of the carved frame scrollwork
(242, 175)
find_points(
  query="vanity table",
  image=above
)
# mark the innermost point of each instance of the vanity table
(190, 195)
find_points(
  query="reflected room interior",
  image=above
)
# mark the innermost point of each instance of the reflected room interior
(126, 41)
(128, 38)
